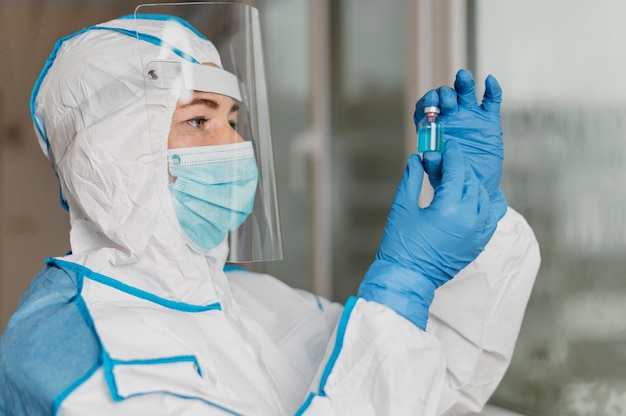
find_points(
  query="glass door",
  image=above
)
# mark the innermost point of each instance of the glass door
(564, 116)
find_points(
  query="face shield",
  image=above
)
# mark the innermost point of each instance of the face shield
(212, 52)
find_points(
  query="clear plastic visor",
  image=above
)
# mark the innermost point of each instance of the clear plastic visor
(209, 55)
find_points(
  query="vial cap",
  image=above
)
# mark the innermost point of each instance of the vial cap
(431, 109)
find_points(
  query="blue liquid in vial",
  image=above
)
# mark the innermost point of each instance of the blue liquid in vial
(429, 136)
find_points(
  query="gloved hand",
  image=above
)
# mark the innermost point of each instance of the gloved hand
(422, 248)
(476, 127)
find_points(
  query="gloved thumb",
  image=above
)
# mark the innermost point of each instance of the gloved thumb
(453, 172)
(411, 183)
(432, 166)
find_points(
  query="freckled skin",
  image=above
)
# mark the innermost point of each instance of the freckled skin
(204, 119)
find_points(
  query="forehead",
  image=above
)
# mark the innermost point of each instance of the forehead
(209, 99)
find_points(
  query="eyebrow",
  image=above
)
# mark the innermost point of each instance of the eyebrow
(209, 103)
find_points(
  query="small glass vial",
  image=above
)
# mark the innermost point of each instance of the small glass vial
(430, 131)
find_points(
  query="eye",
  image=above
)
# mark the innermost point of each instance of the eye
(233, 125)
(197, 122)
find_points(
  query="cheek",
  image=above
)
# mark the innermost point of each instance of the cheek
(179, 138)
(223, 135)
(172, 138)
(213, 133)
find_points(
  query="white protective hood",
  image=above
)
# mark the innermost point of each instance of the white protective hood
(107, 141)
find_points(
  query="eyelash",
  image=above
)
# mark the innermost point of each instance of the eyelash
(198, 122)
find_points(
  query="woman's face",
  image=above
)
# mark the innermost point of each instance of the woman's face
(204, 119)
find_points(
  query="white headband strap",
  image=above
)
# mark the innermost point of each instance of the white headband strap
(190, 76)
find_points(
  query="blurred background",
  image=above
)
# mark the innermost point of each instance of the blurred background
(343, 79)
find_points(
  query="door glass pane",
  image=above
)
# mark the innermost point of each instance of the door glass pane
(367, 148)
(562, 66)
(286, 43)
(368, 130)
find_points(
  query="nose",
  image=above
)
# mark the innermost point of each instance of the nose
(224, 134)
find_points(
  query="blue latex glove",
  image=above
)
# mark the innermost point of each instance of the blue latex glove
(476, 127)
(422, 248)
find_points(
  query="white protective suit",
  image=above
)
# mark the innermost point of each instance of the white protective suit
(169, 332)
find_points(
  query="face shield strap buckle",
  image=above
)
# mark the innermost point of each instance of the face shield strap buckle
(193, 77)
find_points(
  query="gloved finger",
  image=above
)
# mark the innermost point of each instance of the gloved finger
(471, 189)
(486, 219)
(477, 194)
(411, 183)
(452, 177)
(428, 100)
(432, 165)
(493, 95)
(447, 100)
(465, 88)
(476, 202)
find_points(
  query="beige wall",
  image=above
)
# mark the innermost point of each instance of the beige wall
(33, 225)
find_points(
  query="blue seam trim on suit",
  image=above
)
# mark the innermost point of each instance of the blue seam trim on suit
(142, 36)
(182, 396)
(58, 401)
(341, 329)
(110, 364)
(105, 360)
(157, 361)
(110, 379)
(108, 370)
(79, 301)
(108, 376)
(305, 405)
(33, 98)
(150, 39)
(133, 291)
(234, 268)
(55, 50)
(319, 303)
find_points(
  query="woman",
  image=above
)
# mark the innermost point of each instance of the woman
(163, 164)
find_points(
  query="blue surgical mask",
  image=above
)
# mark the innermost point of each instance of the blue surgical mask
(214, 190)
